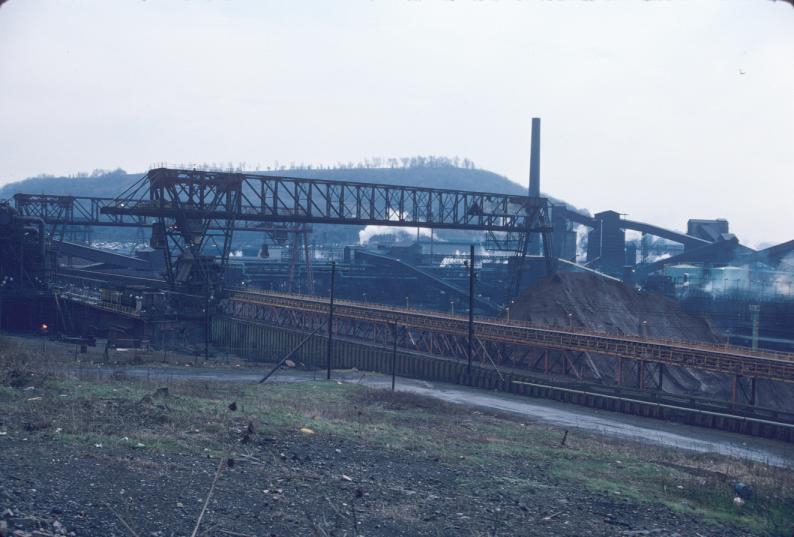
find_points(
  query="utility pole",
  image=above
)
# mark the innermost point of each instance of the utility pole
(331, 319)
(44, 329)
(207, 318)
(394, 356)
(471, 309)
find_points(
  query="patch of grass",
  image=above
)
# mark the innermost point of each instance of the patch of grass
(708, 496)
(416, 424)
(8, 392)
(194, 418)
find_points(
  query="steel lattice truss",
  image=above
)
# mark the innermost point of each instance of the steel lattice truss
(194, 213)
(189, 205)
(170, 193)
(57, 210)
(74, 210)
(508, 344)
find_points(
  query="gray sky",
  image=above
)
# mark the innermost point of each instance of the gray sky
(644, 108)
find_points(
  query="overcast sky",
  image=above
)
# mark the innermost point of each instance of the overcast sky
(645, 108)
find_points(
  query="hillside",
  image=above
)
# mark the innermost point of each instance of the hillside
(111, 184)
(103, 185)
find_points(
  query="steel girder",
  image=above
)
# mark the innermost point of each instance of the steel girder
(273, 199)
(74, 210)
(507, 343)
(198, 228)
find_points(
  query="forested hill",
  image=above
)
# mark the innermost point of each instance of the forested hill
(111, 184)
(100, 184)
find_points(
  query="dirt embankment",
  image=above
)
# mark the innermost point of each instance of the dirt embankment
(587, 301)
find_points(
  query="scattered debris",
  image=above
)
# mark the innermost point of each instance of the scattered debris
(248, 433)
(207, 500)
(744, 490)
(38, 425)
(123, 522)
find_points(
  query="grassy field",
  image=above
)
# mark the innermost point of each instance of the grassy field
(590, 484)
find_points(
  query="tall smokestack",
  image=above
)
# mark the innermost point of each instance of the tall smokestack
(534, 160)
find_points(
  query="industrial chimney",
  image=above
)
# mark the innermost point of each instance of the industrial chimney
(534, 160)
(533, 239)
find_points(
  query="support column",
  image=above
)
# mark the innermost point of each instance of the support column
(641, 374)
(752, 390)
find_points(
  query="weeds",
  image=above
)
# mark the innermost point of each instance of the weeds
(193, 417)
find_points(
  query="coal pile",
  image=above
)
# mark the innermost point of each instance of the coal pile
(587, 301)
(606, 305)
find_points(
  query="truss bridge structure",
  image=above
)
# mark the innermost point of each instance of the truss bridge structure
(194, 212)
(638, 362)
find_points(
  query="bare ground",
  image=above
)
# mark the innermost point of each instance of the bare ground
(120, 457)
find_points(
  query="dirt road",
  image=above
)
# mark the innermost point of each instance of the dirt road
(652, 432)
